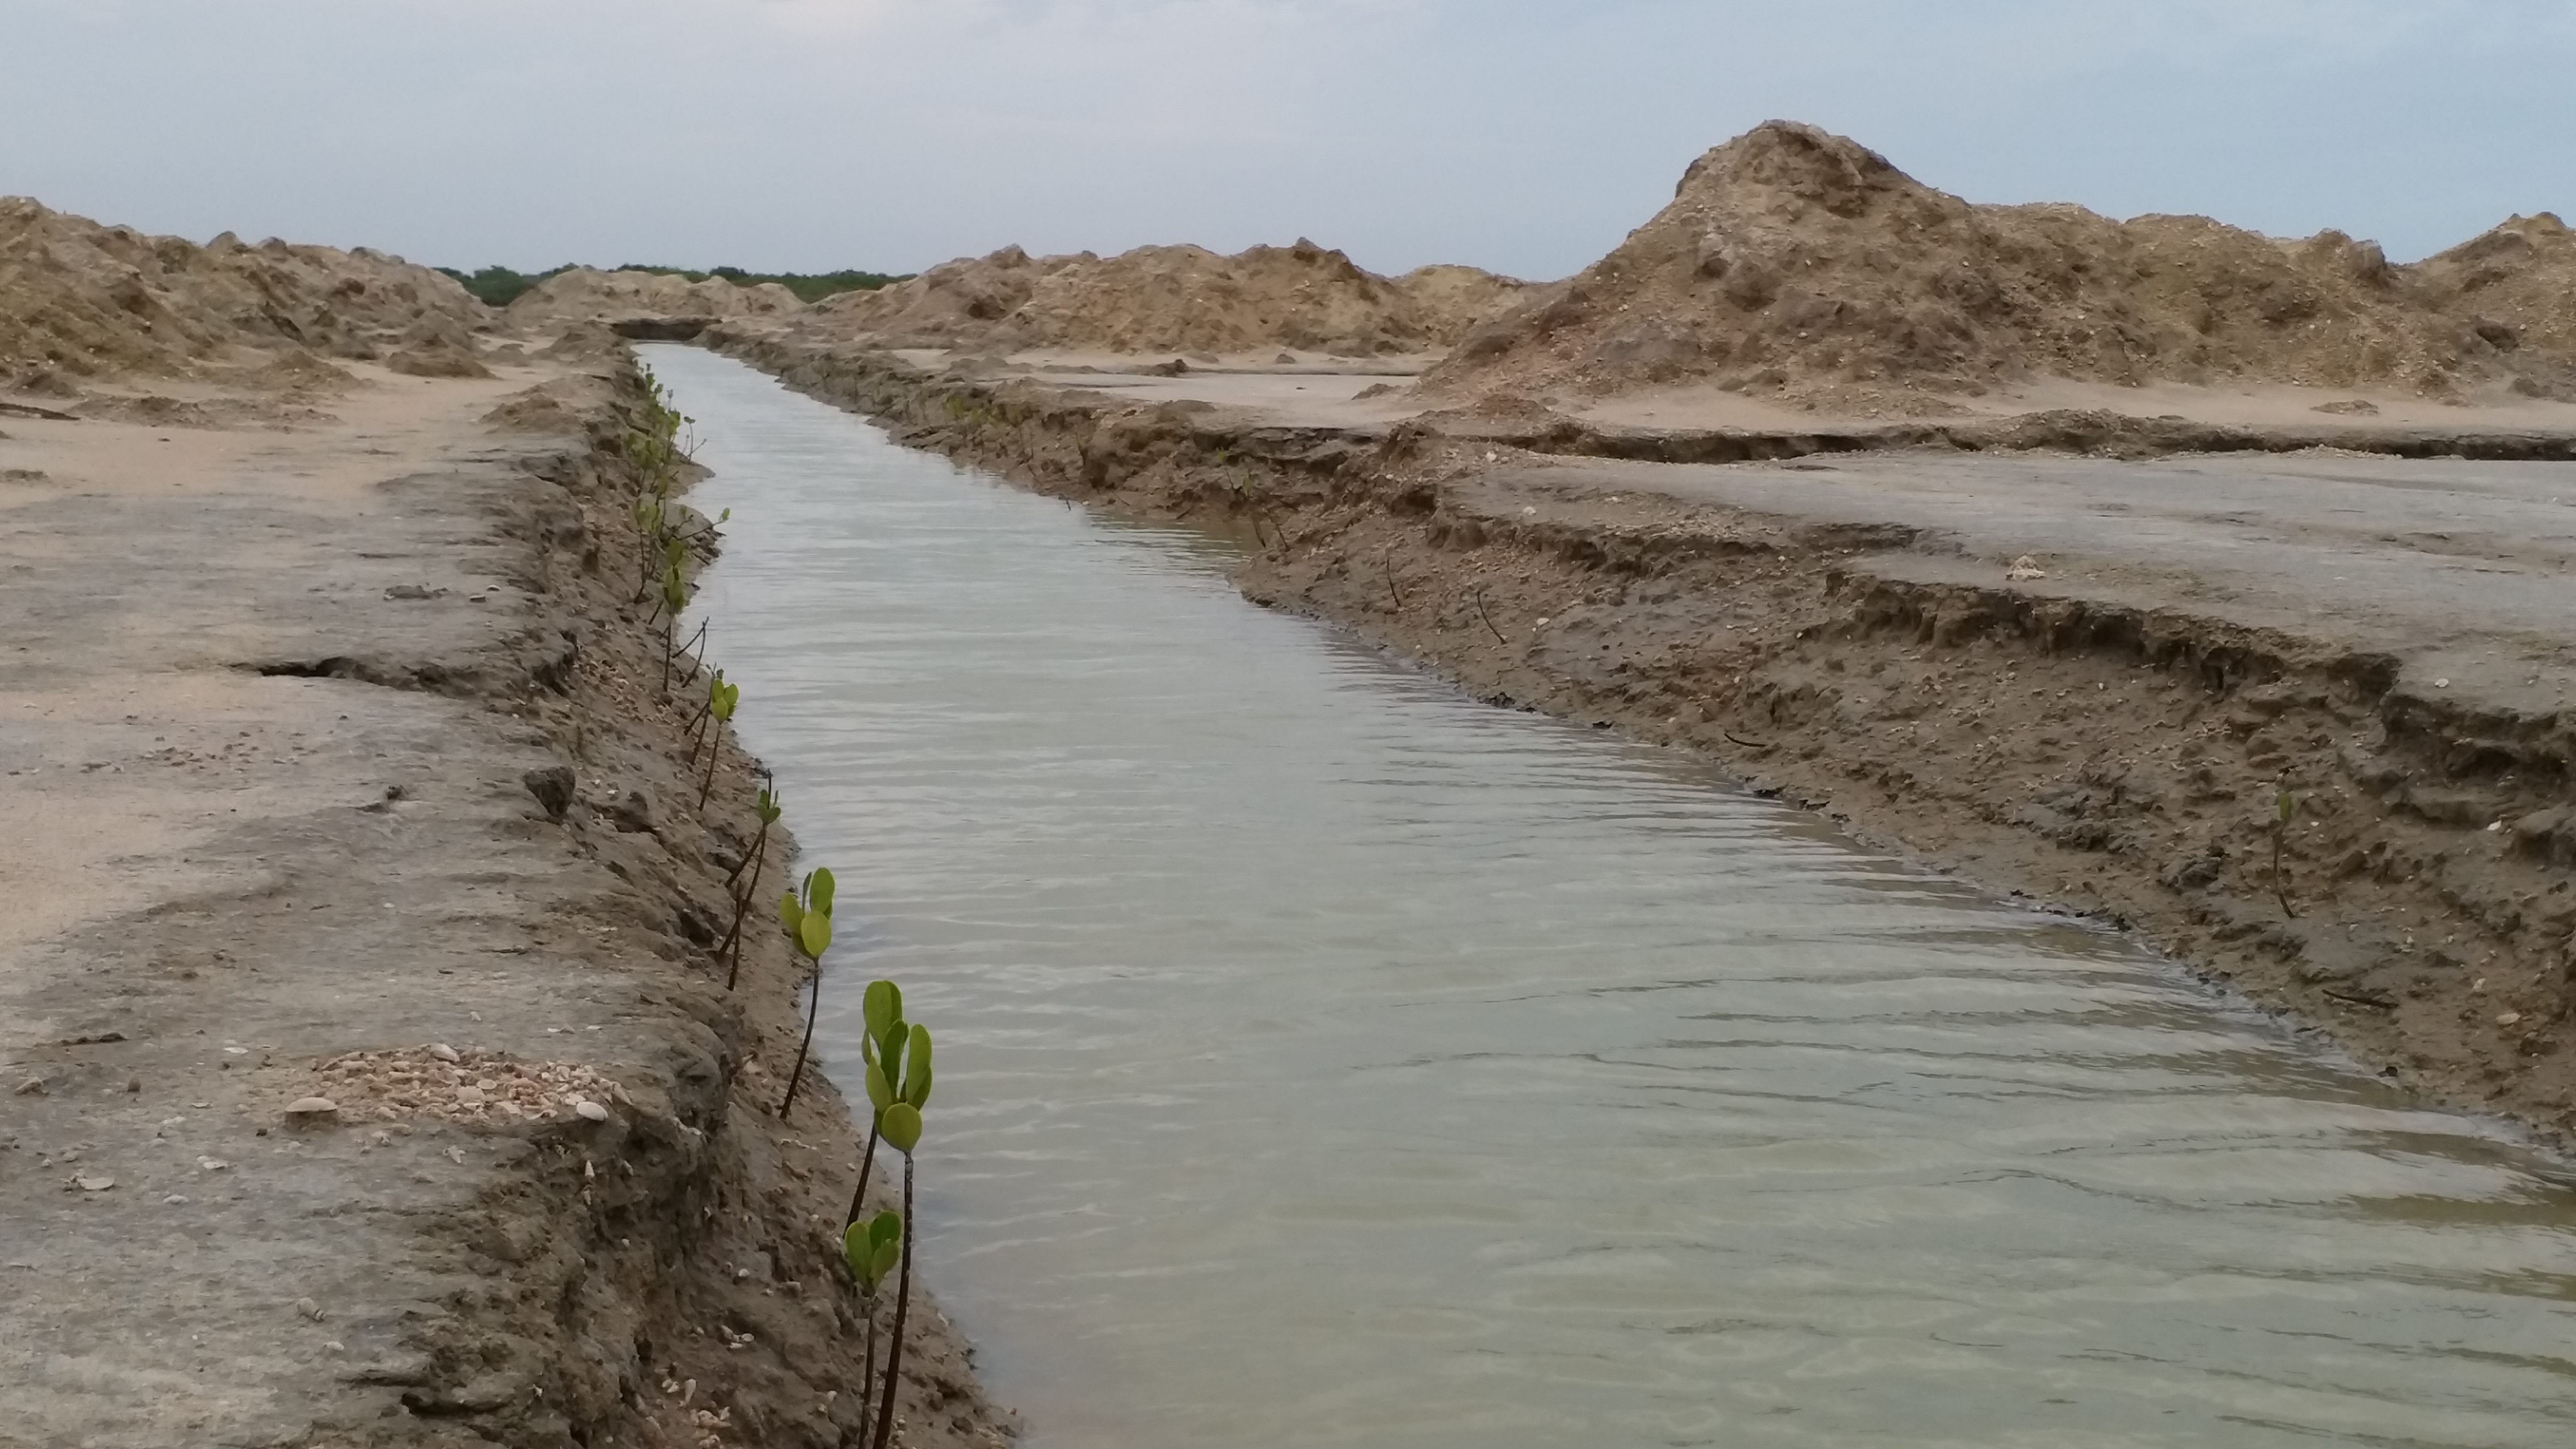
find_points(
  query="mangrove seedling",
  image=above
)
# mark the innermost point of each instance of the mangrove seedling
(725, 696)
(706, 709)
(675, 597)
(807, 915)
(2285, 807)
(902, 1112)
(883, 1037)
(872, 1249)
(747, 891)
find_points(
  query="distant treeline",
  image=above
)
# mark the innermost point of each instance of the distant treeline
(500, 286)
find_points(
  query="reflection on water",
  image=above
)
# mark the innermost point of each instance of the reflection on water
(1331, 1060)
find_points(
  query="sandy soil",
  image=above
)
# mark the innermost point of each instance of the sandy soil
(274, 697)
(2081, 678)
(1802, 268)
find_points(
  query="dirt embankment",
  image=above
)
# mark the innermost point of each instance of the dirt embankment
(81, 302)
(1802, 267)
(1172, 301)
(339, 765)
(585, 295)
(2113, 745)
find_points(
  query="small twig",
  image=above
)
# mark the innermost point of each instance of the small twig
(1748, 744)
(1478, 595)
(1392, 587)
(2373, 1000)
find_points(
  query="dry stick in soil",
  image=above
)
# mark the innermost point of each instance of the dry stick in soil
(808, 919)
(1478, 595)
(903, 1134)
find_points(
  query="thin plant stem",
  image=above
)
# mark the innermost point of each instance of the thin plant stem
(708, 784)
(868, 1364)
(813, 1009)
(867, 1163)
(751, 862)
(902, 1302)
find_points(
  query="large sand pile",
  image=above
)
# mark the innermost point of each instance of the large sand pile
(2516, 286)
(1173, 300)
(584, 295)
(81, 300)
(1797, 264)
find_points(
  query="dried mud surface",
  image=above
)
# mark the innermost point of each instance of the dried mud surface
(2083, 687)
(282, 711)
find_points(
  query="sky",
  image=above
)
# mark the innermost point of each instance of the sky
(1526, 136)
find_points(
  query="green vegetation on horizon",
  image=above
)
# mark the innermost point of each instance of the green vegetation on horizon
(500, 286)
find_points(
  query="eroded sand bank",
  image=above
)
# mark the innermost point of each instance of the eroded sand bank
(280, 708)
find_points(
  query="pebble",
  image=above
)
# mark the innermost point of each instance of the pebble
(443, 1051)
(469, 1096)
(591, 1111)
(2509, 1018)
(309, 1309)
(94, 1184)
(311, 1107)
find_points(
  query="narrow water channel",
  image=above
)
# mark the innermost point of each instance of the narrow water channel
(1329, 1059)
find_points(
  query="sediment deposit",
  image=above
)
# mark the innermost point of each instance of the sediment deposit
(1170, 300)
(1802, 266)
(587, 295)
(79, 300)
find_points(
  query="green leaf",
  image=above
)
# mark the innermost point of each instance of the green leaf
(791, 913)
(882, 1007)
(818, 892)
(885, 1230)
(890, 1050)
(814, 934)
(879, 1092)
(887, 1258)
(859, 1251)
(903, 1127)
(916, 1072)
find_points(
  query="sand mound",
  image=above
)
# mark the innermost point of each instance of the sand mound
(2515, 289)
(584, 295)
(88, 300)
(1175, 300)
(1797, 263)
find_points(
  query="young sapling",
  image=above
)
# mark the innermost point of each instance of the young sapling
(902, 1113)
(746, 891)
(721, 698)
(883, 1031)
(872, 1249)
(807, 915)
